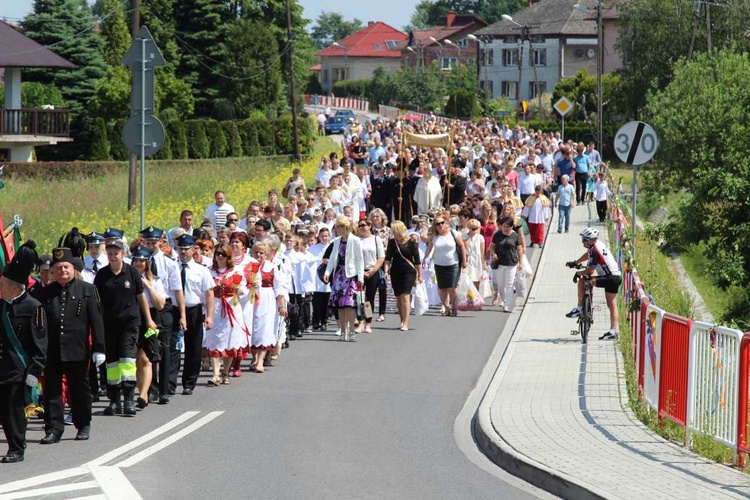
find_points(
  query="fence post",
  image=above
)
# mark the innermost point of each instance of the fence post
(743, 400)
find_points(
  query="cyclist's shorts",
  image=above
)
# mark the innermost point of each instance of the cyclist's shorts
(610, 282)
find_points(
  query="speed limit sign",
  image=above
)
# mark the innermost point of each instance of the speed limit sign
(636, 143)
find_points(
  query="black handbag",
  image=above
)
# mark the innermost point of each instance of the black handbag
(321, 272)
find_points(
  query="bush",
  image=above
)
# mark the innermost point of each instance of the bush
(216, 138)
(165, 153)
(55, 170)
(176, 131)
(197, 142)
(462, 104)
(234, 141)
(267, 137)
(99, 142)
(117, 149)
(249, 136)
(284, 136)
(352, 88)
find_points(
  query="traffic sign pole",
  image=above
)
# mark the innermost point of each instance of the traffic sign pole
(143, 132)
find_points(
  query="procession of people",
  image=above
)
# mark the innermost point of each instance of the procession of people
(402, 206)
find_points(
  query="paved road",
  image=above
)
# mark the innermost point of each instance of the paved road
(370, 419)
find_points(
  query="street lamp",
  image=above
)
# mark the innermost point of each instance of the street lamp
(474, 39)
(441, 48)
(599, 69)
(458, 48)
(346, 65)
(525, 30)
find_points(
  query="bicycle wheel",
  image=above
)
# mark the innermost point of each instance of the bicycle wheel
(584, 320)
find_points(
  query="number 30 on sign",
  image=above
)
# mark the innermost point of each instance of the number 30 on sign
(636, 143)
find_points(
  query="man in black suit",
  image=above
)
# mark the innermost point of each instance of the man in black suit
(23, 349)
(380, 196)
(73, 311)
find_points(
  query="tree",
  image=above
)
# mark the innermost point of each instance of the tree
(36, 95)
(331, 26)
(702, 120)
(114, 32)
(428, 13)
(113, 94)
(200, 25)
(253, 70)
(581, 89)
(99, 142)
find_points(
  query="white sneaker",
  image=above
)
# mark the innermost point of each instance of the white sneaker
(338, 332)
(610, 335)
(574, 313)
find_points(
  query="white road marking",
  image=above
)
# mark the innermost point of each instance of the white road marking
(114, 484)
(171, 439)
(143, 439)
(44, 478)
(50, 490)
(92, 497)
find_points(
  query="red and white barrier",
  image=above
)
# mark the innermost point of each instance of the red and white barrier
(337, 102)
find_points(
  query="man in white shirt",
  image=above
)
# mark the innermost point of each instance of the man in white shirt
(323, 177)
(96, 259)
(198, 285)
(186, 224)
(217, 212)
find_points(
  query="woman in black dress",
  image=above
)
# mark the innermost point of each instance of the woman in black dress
(402, 260)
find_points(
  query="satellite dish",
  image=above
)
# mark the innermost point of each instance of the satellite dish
(591, 53)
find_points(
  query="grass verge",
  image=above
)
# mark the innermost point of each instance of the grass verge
(50, 208)
(696, 264)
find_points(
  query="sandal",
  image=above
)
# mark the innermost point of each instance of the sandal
(368, 329)
(214, 381)
(225, 380)
(380, 319)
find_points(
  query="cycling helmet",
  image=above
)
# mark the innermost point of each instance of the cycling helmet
(589, 233)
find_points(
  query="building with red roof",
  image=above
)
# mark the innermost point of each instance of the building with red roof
(356, 56)
(448, 44)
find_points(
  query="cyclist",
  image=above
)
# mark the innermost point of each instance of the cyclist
(602, 262)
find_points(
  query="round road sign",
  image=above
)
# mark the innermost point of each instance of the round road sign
(636, 143)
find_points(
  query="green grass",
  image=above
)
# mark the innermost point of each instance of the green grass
(51, 208)
(696, 265)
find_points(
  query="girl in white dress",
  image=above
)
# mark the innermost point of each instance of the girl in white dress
(474, 242)
(229, 336)
(270, 306)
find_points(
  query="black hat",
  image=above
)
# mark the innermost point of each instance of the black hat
(45, 262)
(112, 232)
(23, 263)
(186, 241)
(141, 253)
(94, 239)
(73, 240)
(152, 233)
(62, 254)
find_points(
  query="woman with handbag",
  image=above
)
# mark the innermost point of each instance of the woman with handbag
(346, 273)
(508, 250)
(381, 229)
(373, 255)
(449, 259)
(402, 260)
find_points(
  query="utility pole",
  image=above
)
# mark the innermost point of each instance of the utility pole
(708, 29)
(520, 73)
(133, 164)
(292, 83)
(599, 70)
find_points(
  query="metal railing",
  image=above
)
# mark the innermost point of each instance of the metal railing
(35, 122)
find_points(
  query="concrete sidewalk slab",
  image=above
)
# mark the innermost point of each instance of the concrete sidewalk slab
(556, 412)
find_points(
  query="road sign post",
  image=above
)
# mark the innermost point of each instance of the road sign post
(563, 106)
(635, 144)
(143, 134)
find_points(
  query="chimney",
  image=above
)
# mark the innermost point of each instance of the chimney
(450, 18)
(370, 23)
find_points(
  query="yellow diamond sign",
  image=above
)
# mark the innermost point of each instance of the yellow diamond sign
(563, 106)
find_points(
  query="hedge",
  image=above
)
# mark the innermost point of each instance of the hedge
(217, 139)
(352, 88)
(234, 141)
(197, 142)
(176, 131)
(54, 170)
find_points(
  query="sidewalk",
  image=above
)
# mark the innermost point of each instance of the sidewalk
(556, 413)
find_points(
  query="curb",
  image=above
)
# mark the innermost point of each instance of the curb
(490, 441)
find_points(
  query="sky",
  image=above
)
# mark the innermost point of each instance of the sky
(393, 12)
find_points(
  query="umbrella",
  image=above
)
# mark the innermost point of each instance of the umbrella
(411, 117)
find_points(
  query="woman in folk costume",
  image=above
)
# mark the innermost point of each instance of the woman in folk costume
(238, 241)
(537, 211)
(229, 336)
(269, 307)
(428, 193)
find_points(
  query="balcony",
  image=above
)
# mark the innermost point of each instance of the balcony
(32, 122)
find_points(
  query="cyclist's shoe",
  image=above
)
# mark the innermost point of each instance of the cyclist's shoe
(610, 335)
(574, 313)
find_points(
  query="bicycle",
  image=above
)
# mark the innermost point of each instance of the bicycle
(586, 318)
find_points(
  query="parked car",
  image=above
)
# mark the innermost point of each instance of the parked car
(346, 114)
(336, 125)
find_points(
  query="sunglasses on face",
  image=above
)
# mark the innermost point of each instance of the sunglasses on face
(439, 223)
(220, 254)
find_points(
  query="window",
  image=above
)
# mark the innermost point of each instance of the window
(486, 86)
(510, 57)
(487, 57)
(509, 90)
(536, 88)
(378, 46)
(446, 63)
(339, 74)
(325, 75)
(538, 57)
(463, 42)
(536, 39)
(391, 44)
(511, 39)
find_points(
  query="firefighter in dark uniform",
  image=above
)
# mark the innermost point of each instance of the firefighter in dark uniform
(23, 348)
(73, 314)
